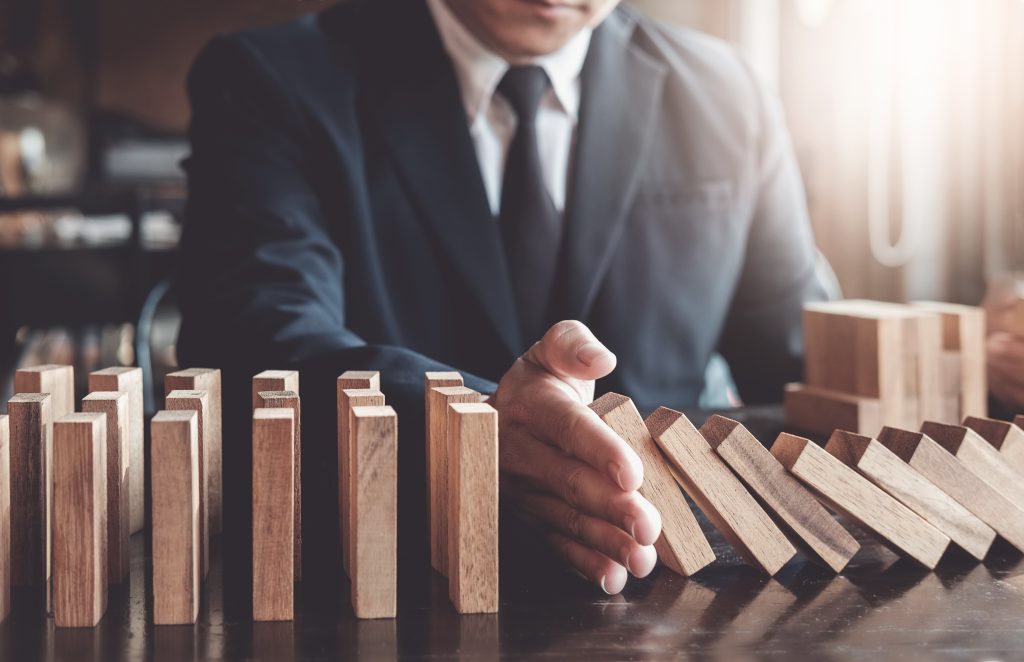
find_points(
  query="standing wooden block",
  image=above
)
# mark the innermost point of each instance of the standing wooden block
(980, 457)
(274, 380)
(1007, 438)
(682, 545)
(886, 470)
(5, 518)
(822, 411)
(347, 399)
(714, 488)
(31, 422)
(273, 509)
(290, 400)
(57, 380)
(174, 471)
(963, 335)
(114, 406)
(374, 438)
(359, 379)
(849, 493)
(209, 380)
(129, 381)
(438, 399)
(79, 519)
(199, 402)
(473, 507)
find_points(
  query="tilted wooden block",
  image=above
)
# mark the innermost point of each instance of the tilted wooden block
(714, 488)
(5, 518)
(783, 494)
(79, 519)
(273, 509)
(199, 402)
(1007, 438)
(209, 380)
(820, 410)
(682, 545)
(274, 380)
(847, 492)
(886, 470)
(963, 335)
(31, 421)
(980, 457)
(347, 399)
(290, 400)
(57, 380)
(438, 399)
(374, 438)
(129, 381)
(114, 405)
(174, 472)
(473, 507)
(952, 477)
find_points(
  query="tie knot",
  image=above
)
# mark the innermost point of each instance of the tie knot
(523, 86)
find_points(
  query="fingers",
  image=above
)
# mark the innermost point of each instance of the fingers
(570, 351)
(594, 565)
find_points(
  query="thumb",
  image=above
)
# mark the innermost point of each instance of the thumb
(570, 351)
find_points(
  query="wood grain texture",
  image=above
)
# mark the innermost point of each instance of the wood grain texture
(273, 507)
(963, 334)
(5, 517)
(682, 545)
(274, 380)
(347, 399)
(129, 381)
(473, 507)
(209, 380)
(980, 457)
(819, 410)
(717, 492)
(57, 380)
(432, 380)
(115, 406)
(79, 519)
(31, 427)
(374, 523)
(886, 470)
(813, 526)
(290, 399)
(438, 399)
(1007, 438)
(174, 471)
(199, 402)
(852, 495)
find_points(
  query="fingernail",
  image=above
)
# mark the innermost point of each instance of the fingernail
(631, 525)
(615, 469)
(607, 592)
(590, 353)
(629, 564)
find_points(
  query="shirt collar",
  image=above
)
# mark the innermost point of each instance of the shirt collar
(480, 70)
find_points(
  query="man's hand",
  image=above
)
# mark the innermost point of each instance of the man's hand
(564, 469)
(1005, 358)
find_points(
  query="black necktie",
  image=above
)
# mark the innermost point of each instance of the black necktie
(531, 227)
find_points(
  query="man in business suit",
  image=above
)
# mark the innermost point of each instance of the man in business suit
(411, 185)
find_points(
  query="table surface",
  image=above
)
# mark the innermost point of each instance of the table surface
(880, 607)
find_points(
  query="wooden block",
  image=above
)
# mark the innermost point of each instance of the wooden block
(473, 507)
(31, 424)
(79, 519)
(980, 457)
(847, 492)
(57, 380)
(273, 508)
(374, 523)
(784, 496)
(886, 470)
(438, 399)
(1007, 438)
(682, 545)
(359, 379)
(5, 518)
(347, 399)
(290, 399)
(115, 406)
(822, 411)
(129, 381)
(174, 471)
(274, 380)
(209, 380)
(963, 334)
(199, 402)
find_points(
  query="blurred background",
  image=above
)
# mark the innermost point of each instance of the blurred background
(906, 116)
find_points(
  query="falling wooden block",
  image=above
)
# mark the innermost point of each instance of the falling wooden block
(199, 402)
(57, 380)
(31, 425)
(274, 380)
(79, 519)
(347, 399)
(783, 494)
(1007, 438)
(174, 472)
(129, 381)
(886, 470)
(290, 400)
(273, 509)
(5, 518)
(980, 457)
(115, 407)
(963, 336)
(374, 439)
(682, 545)
(717, 492)
(473, 507)
(849, 493)
(822, 411)
(209, 380)
(438, 399)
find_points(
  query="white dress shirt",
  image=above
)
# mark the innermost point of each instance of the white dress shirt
(492, 122)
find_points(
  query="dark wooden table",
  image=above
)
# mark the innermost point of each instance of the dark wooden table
(880, 608)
